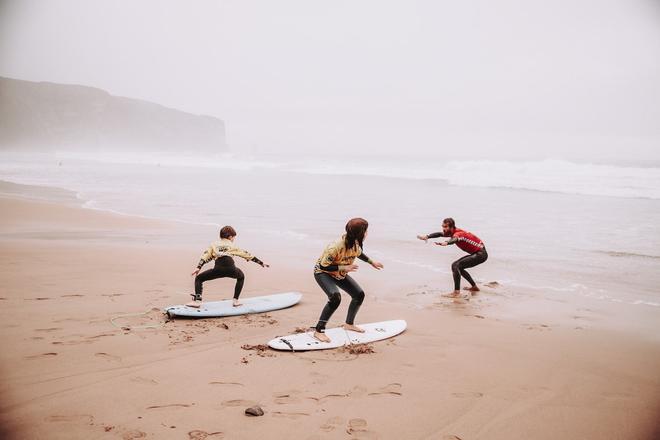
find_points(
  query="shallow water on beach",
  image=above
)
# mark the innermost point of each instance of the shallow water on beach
(539, 236)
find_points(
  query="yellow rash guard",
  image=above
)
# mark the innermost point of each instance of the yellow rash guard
(335, 255)
(223, 248)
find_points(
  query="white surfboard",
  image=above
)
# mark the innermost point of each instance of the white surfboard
(375, 331)
(257, 304)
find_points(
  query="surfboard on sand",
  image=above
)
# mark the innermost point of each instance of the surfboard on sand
(257, 304)
(375, 331)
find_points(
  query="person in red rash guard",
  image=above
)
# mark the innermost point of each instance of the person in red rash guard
(468, 242)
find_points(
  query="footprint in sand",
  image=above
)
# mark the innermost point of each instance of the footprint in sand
(238, 402)
(286, 397)
(201, 435)
(357, 429)
(107, 356)
(134, 435)
(289, 415)
(39, 298)
(332, 424)
(112, 295)
(171, 405)
(219, 382)
(48, 330)
(467, 395)
(451, 437)
(101, 335)
(42, 355)
(144, 380)
(75, 418)
(321, 399)
(392, 389)
(73, 295)
(540, 327)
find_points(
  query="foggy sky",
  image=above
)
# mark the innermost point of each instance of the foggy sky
(482, 79)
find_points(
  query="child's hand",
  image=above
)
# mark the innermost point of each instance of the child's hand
(441, 243)
(195, 272)
(423, 237)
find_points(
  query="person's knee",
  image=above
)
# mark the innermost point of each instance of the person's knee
(240, 276)
(359, 297)
(334, 299)
(455, 266)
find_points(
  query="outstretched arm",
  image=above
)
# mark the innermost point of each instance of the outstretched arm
(259, 262)
(448, 242)
(431, 235)
(375, 264)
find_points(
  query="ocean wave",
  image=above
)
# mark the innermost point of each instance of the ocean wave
(548, 175)
(551, 175)
(629, 255)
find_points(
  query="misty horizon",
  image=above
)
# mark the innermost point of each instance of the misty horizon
(426, 79)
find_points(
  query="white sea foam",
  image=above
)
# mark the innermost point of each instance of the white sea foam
(547, 175)
(551, 175)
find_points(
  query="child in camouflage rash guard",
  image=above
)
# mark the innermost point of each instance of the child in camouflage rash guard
(222, 252)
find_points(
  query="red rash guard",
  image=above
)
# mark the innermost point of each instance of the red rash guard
(465, 240)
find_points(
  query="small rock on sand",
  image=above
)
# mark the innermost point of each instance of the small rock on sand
(255, 411)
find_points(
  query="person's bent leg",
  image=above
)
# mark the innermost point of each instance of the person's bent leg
(240, 280)
(471, 261)
(351, 287)
(468, 278)
(456, 273)
(207, 275)
(329, 287)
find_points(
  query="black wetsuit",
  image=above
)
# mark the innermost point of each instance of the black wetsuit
(331, 286)
(458, 267)
(224, 268)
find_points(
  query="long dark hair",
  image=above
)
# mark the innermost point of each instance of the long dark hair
(355, 230)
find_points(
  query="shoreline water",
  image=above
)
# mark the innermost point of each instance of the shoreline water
(577, 255)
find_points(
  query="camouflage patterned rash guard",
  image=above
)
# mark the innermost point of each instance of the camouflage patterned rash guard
(225, 248)
(336, 255)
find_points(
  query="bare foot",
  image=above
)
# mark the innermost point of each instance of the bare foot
(454, 294)
(195, 303)
(353, 328)
(321, 337)
(237, 304)
(471, 288)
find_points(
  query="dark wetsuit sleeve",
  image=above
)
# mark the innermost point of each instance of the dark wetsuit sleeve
(436, 235)
(363, 257)
(258, 261)
(331, 268)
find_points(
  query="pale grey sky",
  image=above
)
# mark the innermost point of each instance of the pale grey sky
(521, 78)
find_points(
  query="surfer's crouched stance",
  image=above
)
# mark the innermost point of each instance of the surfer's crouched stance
(222, 252)
(468, 242)
(331, 272)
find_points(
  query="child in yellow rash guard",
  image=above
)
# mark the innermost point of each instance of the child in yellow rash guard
(222, 252)
(331, 273)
